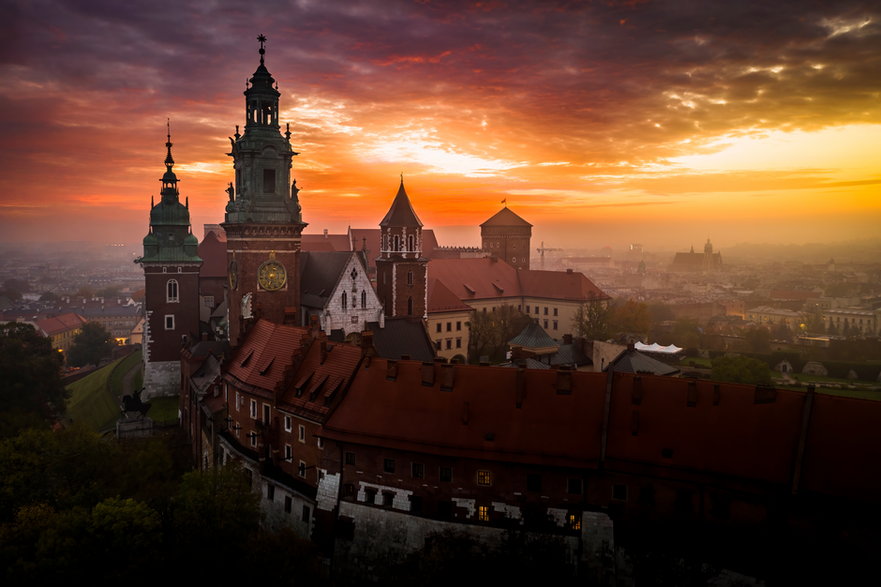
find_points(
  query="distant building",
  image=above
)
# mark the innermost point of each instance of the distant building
(61, 329)
(706, 262)
(506, 235)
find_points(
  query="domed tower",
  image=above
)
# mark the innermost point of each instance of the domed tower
(505, 235)
(401, 270)
(171, 283)
(263, 223)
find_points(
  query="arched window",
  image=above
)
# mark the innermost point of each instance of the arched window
(171, 294)
(411, 243)
(344, 301)
(396, 243)
(363, 298)
(409, 278)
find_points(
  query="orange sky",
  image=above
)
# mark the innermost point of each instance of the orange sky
(663, 123)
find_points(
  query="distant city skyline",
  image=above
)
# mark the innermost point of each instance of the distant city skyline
(662, 123)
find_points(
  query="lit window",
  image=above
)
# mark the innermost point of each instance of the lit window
(483, 513)
(574, 522)
(484, 477)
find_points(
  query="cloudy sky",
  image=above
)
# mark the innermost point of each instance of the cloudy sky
(660, 122)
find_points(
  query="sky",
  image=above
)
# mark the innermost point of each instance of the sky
(663, 123)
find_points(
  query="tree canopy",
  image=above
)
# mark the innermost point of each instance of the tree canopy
(739, 369)
(31, 391)
(91, 345)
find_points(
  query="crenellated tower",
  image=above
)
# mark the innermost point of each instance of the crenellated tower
(263, 222)
(401, 269)
(171, 282)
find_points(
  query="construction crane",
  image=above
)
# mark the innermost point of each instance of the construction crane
(541, 251)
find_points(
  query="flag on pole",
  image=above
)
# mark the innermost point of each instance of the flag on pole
(505, 201)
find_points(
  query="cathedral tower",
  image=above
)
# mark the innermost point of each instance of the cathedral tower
(171, 281)
(506, 236)
(401, 270)
(263, 223)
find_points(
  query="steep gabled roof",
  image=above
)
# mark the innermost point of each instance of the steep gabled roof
(321, 379)
(505, 217)
(632, 361)
(402, 336)
(401, 213)
(57, 324)
(265, 353)
(320, 272)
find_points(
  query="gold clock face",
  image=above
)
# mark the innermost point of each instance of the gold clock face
(272, 275)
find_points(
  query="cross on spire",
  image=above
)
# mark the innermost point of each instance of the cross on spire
(262, 39)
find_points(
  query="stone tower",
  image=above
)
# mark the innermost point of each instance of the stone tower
(263, 223)
(506, 236)
(171, 282)
(401, 270)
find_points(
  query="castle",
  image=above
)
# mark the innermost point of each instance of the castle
(335, 377)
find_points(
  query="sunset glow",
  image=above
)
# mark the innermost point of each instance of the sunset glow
(600, 123)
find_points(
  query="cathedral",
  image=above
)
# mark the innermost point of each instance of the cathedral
(334, 371)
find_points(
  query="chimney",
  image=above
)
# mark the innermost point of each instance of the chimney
(568, 270)
(325, 233)
(428, 374)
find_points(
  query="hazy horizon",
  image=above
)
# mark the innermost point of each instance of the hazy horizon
(602, 124)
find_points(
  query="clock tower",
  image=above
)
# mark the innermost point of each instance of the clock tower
(171, 286)
(263, 223)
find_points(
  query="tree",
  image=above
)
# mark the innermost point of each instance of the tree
(758, 339)
(13, 288)
(630, 317)
(31, 392)
(91, 345)
(489, 332)
(739, 369)
(591, 321)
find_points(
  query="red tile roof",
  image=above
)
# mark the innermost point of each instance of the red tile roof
(53, 325)
(266, 351)
(321, 379)
(325, 242)
(441, 299)
(490, 277)
(478, 417)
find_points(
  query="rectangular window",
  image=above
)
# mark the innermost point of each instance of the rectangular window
(301, 469)
(388, 465)
(307, 514)
(439, 328)
(459, 325)
(269, 181)
(288, 502)
(349, 458)
(418, 471)
(238, 401)
(253, 409)
(270, 492)
(288, 424)
(266, 411)
(449, 326)
(301, 433)
(319, 442)
(555, 325)
(388, 497)
(449, 343)
(253, 437)
(484, 478)
(555, 312)
(483, 513)
(574, 522)
(169, 322)
(446, 474)
(546, 310)
(288, 453)
(437, 345)
(458, 343)
(545, 323)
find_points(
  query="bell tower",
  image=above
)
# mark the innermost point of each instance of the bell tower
(171, 284)
(401, 270)
(263, 222)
